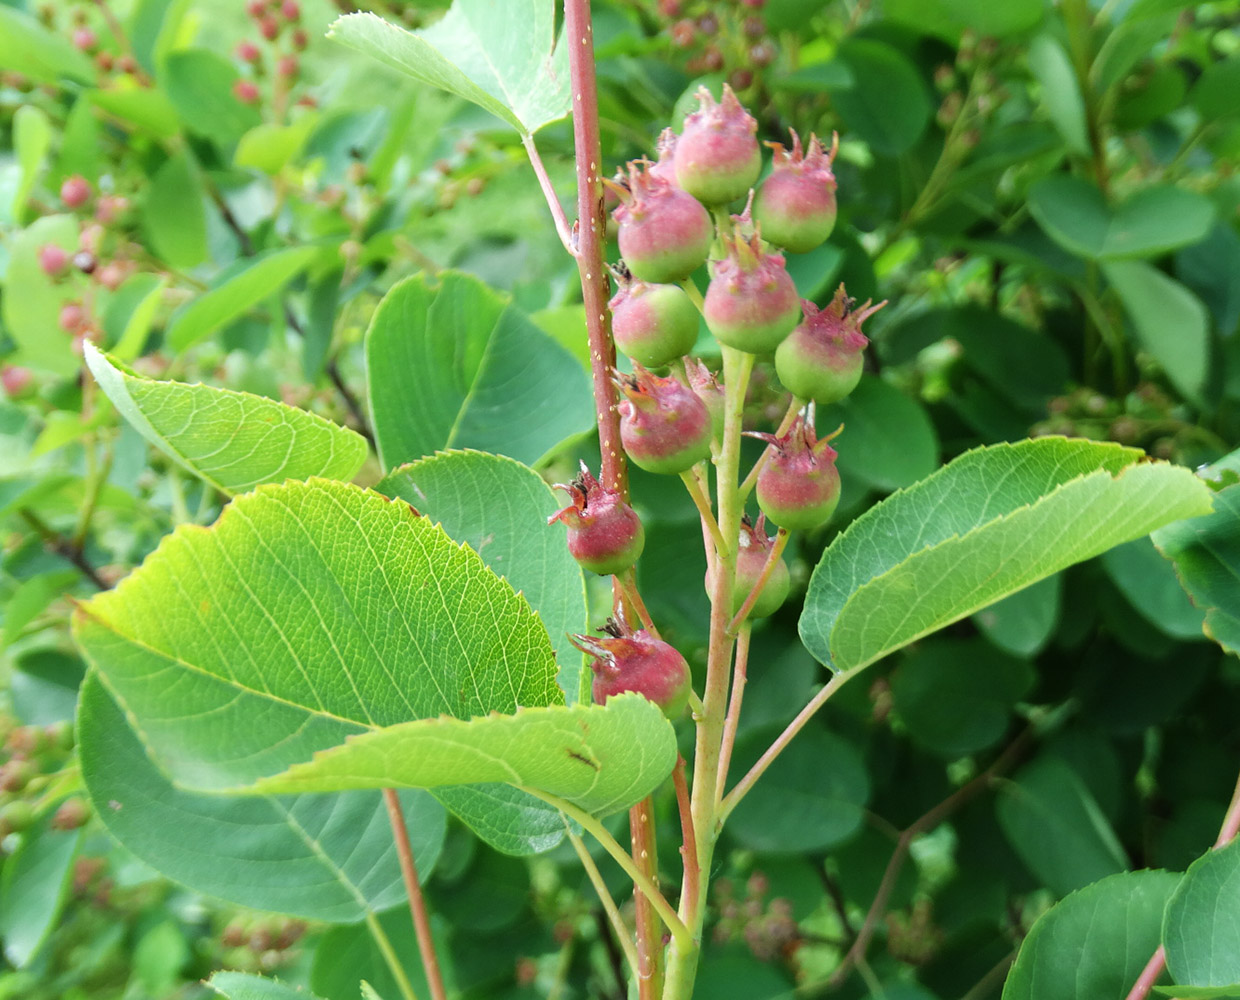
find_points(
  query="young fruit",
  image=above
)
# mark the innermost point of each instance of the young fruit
(753, 549)
(796, 204)
(799, 487)
(717, 156)
(705, 385)
(636, 661)
(71, 317)
(751, 302)
(52, 259)
(664, 427)
(605, 535)
(664, 232)
(665, 166)
(75, 191)
(653, 324)
(821, 359)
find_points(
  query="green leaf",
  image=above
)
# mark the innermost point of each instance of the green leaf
(1214, 93)
(128, 316)
(1201, 928)
(1149, 583)
(503, 57)
(1200, 992)
(147, 109)
(499, 508)
(28, 48)
(269, 147)
(320, 857)
(810, 799)
(243, 986)
(1023, 623)
(453, 364)
(173, 214)
(1060, 91)
(32, 315)
(265, 275)
(989, 523)
(32, 138)
(949, 18)
(888, 440)
(956, 697)
(1054, 823)
(1152, 221)
(887, 104)
(1170, 322)
(1094, 943)
(199, 83)
(30, 598)
(33, 888)
(1206, 553)
(233, 440)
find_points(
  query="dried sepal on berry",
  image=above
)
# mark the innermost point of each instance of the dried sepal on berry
(822, 358)
(628, 660)
(605, 535)
(717, 155)
(799, 486)
(795, 206)
(751, 303)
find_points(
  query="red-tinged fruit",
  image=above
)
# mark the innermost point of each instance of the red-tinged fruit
(653, 324)
(799, 487)
(72, 814)
(75, 191)
(625, 660)
(664, 427)
(705, 385)
(247, 52)
(751, 303)
(71, 317)
(15, 380)
(717, 155)
(246, 91)
(664, 233)
(822, 358)
(751, 555)
(605, 535)
(85, 40)
(664, 166)
(52, 259)
(795, 207)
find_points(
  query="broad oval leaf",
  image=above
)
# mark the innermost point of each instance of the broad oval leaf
(264, 275)
(1201, 928)
(34, 886)
(233, 440)
(1095, 942)
(888, 440)
(451, 363)
(30, 305)
(243, 986)
(320, 857)
(173, 213)
(987, 524)
(199, 82)
(1061, 93)
(601, 758)
(502, 56)
(499, 508)
(887, 104)
(1149, 583)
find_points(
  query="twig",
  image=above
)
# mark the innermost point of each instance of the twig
(688, 850)
(615, 956)
(621, 932)
(351, 402)
(628, 587)
(61, 546)
(732, 722)
(417, 902)
(553, 202)
(794, 408)
(702, 503)
(768, 567)
(649, 936)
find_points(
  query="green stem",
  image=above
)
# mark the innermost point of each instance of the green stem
(389, 956)
(605, 897)
(702, 502)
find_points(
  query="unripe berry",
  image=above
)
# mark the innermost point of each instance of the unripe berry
(71, 317)
(287, 66)
(822, 358)
(665, 165)
(256, 8)
(16, 774)
(52, 259)
(15, 380)
(664, 427)
(752, 551)
(291, 10)
(247, 52)
(653, 324)
(795, 207)
(664, 232)
(104, 62)
(705, 385)
(60, 735)
(751, 303)
(75, 191)
(72, 814)
(605, 535)
(85, 40)
(127, 64)
(636, 661)
(717, 156)
(269, 28)
(799, 487)
(683, 33)
(15, 816)
(300, 40)
(246, 91)
(110, 275)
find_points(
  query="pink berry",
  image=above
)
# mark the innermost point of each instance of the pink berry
(15, 380)
(75, 191)
(605, 535)
(247, 52)
(636, 661)
(751, 302)
(799, 487)
(717, 157)
(85, 39)
(795, 207)
(751, 554)
(291, 10)
(822, 358)
(52, 259)
(269, 28)
(110, 208)
(110, 275)
(664, 426)
(664, 232)
(71, 317)
(300, 40)
(246, 91)
(256, 8)
(653, 324)
(287, 66)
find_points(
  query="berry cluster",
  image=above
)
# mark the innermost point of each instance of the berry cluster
(274, 53)
(672, 218)
(731, 38)
(32, 756)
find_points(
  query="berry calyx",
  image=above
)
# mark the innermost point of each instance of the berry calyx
(799, 487)
(717, 156)
(705, 385)
(605, 535)
(664, 427)
(822, 358)
(796, 204)
(751, 303)
(75, 191)
(664, 233)
(52, 259)
(665, 165)
(653, 324)
(753, 548)
(625, 660)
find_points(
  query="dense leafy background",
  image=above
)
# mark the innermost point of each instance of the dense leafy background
(1046, 196)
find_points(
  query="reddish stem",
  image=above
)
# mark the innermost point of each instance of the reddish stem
(417, 903)
(688, 851)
